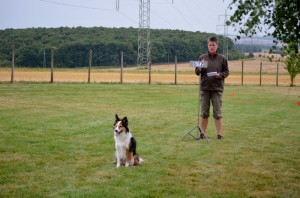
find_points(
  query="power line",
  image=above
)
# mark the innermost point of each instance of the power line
(94, 8)
(193, 15)
(77, 6)
(129, 18)
(163, 19)
(183, 17)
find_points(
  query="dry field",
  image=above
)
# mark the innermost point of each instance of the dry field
(164, 74)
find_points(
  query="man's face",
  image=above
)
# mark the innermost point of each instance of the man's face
(212, 47)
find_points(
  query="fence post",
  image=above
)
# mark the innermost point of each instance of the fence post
(52, 63)
(90, 65)
(149, 64)
(277, 74)
(175, 69)
(121, 75)
(260, 71)
(242, 73)
(12, 65)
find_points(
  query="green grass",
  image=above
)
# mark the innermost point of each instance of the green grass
(56, 140)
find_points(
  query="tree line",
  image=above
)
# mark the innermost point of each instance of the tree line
(71, 46)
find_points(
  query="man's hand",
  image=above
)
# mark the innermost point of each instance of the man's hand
(218, 75)
(197, 71)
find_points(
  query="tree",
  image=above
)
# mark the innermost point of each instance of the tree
(292, 65)
(73, 45)
(277, 18)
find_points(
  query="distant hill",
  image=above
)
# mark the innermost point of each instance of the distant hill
(255, 40)
(254, 44)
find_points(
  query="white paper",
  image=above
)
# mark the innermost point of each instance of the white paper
(212, 73)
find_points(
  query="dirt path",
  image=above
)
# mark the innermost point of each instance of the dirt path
(114, 77)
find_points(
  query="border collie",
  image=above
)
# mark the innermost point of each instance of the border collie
(125, 144)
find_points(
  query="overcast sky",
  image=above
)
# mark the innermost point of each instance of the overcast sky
(190, 15)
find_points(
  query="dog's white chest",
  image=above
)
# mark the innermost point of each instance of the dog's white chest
(122, 140)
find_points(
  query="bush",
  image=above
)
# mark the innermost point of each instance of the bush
(251, 55)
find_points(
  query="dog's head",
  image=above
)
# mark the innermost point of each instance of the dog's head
(121, 125)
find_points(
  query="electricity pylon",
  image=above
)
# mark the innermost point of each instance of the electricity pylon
(144, 48)
(225, 42)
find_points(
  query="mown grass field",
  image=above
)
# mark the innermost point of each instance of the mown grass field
(56, 140)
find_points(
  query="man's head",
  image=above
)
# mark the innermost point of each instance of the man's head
(212, 45)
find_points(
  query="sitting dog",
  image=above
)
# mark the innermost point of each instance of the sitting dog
(125, 144)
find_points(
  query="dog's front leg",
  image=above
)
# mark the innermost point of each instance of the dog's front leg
(127, 161)
(128, 158)
(118, 163)
(118, 160)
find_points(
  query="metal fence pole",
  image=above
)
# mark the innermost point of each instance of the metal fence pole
(242, 73)
(52, 63)
(149, 65)
(12, 65)
(90, 65)
(175, 69)
(260, 71)
(277, 71)
(121, 75)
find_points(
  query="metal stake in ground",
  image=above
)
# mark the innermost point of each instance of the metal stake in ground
(200, 64)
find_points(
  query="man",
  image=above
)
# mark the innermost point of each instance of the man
(212, 86)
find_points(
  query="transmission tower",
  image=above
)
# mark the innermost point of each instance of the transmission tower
(225, 42)
(144, 48)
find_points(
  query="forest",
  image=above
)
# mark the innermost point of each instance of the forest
(71, 46)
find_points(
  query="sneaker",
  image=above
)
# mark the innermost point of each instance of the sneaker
(220, 137)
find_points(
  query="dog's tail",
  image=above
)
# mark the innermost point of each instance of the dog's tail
(137, 160)
(141, 160)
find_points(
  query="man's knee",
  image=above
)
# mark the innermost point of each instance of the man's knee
(217, 114)
(205, 115)
(218, 117)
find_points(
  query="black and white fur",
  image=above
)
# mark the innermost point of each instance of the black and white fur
(125, 144)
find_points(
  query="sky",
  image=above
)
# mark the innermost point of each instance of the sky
(190, 15)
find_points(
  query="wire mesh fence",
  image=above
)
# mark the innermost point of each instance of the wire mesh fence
(160, 74)
(257, 71)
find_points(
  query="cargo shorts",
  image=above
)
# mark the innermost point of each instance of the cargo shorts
(211, 97)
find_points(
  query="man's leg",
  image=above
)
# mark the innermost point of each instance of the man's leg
(205, 105)
(204, 122)
(217, 109)
(218, 124)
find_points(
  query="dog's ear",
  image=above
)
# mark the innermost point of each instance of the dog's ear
(116, 119)
(125, 123)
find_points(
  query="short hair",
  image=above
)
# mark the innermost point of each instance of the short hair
(212, 39)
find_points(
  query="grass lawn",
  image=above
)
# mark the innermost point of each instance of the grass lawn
(56, 140)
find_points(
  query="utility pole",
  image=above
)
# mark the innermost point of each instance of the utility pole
(144, 48)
